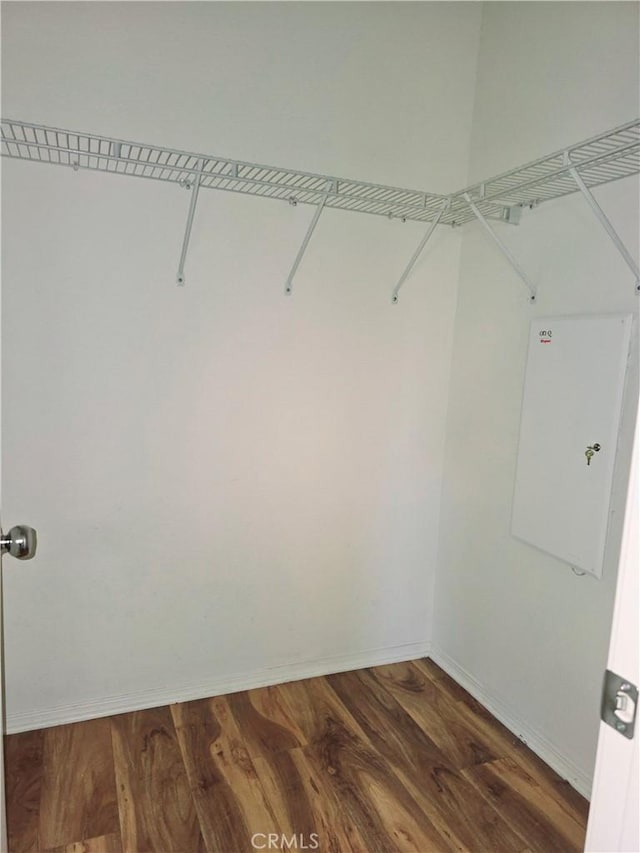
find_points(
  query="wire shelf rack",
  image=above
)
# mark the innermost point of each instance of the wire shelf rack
(607, 157)
(87, 151)
(604, 158)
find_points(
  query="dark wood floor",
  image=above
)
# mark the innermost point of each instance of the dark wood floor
(394, 758)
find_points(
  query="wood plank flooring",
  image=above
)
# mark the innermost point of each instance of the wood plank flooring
(392, 759)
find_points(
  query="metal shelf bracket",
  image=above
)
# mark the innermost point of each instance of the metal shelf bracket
(503, 248)
(604, 220)
(195, 189)
(312, 225)
(418, 251)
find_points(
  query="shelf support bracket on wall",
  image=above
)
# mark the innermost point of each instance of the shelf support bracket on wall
(316, 216)
(503, 248)
(418, 251)
(195, 189)
(602, 217)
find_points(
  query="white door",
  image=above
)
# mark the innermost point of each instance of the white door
(568, 435)
(614, 815)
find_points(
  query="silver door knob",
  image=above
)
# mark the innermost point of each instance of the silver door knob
(21, 542)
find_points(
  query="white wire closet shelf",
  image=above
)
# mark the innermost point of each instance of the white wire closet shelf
(105, 154)
(604, 158)
(607, 157)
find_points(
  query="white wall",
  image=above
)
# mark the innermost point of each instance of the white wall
(229, 486)
(513, 623)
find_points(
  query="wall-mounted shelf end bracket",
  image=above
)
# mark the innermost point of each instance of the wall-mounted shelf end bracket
(503, 248)
(603, 219)
(194, 186)
(331, 186)
(418, 251)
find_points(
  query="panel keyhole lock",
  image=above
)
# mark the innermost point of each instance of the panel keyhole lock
(591, 450)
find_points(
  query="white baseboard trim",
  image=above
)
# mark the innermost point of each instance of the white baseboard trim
(105, 706)
(536, 741)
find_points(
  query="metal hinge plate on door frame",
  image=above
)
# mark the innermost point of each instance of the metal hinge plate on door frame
(619, 704)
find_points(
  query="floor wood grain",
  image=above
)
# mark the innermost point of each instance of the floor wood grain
(423, 768)
(352, 773)
(157, 811)
(393, 759)
(78, 794)
(533, 812)
(229, 798)
(437, 714)
(23, 766)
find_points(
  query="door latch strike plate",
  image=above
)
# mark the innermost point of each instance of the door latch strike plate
(619, 704)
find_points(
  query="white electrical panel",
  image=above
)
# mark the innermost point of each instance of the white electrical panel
(568, 435)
